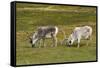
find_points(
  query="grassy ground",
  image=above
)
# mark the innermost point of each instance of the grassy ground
(30, 16)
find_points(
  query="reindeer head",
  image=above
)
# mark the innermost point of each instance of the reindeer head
(34, 38)
(70, 40)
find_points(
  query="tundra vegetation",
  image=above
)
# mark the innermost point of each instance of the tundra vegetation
(31, 16)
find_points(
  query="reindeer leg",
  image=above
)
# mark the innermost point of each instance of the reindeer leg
(55, 42)
(40, 43)
(44, 42)
(78, 43)
(88, 39)
(54, 39)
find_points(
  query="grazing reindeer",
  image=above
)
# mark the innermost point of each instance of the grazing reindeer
(45, 32)
(78, 33)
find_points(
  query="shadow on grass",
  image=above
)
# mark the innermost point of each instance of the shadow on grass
(75, 45)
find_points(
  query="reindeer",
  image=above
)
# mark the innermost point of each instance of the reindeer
(44, 32)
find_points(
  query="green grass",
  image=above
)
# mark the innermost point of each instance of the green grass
(66, 18)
